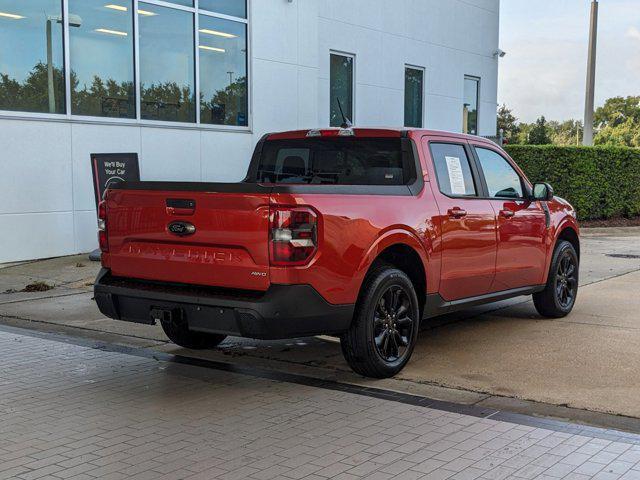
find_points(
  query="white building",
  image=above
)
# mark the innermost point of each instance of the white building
(265, 66)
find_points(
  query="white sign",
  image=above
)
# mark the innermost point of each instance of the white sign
(456, 177)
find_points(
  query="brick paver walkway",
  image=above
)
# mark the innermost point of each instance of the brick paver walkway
(73, 412)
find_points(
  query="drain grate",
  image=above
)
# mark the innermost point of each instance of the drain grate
(623, 255)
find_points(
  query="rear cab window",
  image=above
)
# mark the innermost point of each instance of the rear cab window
(336, 161)
(453, 169)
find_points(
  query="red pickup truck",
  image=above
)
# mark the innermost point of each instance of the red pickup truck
(358, 233)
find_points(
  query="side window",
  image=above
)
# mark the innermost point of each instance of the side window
(502, 180)
(453, 169)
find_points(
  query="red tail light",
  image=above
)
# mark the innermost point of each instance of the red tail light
(293, 239)
(102, 226)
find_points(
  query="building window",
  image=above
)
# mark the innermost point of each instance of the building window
(233, 8)
(32, 77)
(222, 49)
(341, 88)
(413, 96)
(101, 57)
(107, 64)
(167, 64)
(470, 107)
(186, 3)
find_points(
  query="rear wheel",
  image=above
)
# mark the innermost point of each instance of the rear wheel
(385, 326)
(179, 333)
(559, 296)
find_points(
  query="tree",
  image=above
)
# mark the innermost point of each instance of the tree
(32, 95)
(539, 133)
(508, 123)
(229, 105)
(566, 133)
(618, 122)
(616, 111)
(625, 134)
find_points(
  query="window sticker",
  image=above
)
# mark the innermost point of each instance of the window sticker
(456, 177)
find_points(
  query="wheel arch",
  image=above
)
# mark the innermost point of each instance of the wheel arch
(569, 234)
(405, 253)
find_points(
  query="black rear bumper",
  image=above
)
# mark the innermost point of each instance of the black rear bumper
(283, 311)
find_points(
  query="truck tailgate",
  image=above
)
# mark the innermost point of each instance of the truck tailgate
(214, 237)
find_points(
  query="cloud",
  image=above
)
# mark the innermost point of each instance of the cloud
(633, 33)
(544, 73)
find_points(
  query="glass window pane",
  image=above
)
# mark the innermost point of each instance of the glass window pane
(341, 89)
(223, 72)
(101, 55)
(167, 65)
(186, 3)
(502, 180)
(470, 108)
(413, 97)
(453, 169)
(335, 161)
(31, 56)
(235, 8)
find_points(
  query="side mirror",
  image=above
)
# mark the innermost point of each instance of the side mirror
(542, 192)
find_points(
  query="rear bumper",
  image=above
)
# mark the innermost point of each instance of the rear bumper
(283, 311)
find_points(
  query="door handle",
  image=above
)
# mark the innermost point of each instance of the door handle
(507, 213)
(457, 212)
(180, 206)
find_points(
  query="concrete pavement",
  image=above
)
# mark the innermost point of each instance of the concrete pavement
(587, 361)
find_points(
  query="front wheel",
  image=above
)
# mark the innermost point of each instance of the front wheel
(384, 331)
(559, 296)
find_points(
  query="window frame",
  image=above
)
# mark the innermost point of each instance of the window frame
(353, 83)
(524, 182)
(423, 70)
(473, 165)
(138, 121)
(478, 100)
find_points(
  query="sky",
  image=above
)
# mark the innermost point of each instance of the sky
(544, 71)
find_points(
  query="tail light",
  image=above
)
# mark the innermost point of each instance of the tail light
(293, 238)
(102, 226)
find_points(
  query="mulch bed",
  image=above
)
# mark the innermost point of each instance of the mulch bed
(611, 222)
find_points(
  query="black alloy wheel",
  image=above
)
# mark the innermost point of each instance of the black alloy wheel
(393, 325)
(385, 326)
(566, 281)
(559, 295)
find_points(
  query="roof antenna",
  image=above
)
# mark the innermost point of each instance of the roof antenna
(346, 123)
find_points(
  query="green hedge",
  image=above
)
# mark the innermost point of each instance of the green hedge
(600, 182)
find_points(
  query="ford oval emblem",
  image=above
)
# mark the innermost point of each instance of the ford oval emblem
(181, 229)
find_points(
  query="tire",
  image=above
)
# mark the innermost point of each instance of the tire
(380, 341)
(560, 293)
(180, 334)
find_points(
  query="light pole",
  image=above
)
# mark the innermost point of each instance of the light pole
(74, 21)
(591, 77)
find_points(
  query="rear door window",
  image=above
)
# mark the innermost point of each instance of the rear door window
(336, 161)
(453, 169)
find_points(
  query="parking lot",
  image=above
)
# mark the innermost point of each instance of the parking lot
(501, 355)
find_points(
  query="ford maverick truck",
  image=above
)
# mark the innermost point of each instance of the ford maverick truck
(363, 234)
